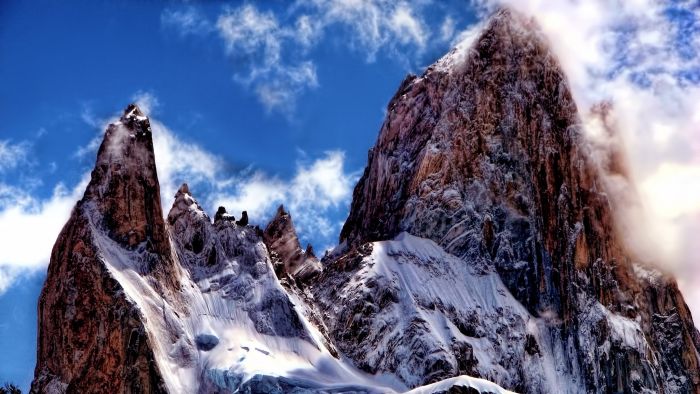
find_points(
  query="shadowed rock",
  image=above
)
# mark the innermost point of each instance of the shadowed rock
(244, 219)
(222, 215)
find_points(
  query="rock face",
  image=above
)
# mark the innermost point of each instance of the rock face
(90, 334)
(484, 155)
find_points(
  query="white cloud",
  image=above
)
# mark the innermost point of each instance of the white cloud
(447, 29)
(671, 194)
(257, 194)
(146, 101)
(406, 27)
(29, 227)
(396, 27)
(315, 191)
(257, 41)
(179, 161)
(250, 30)
(323, 183)
(306, 31)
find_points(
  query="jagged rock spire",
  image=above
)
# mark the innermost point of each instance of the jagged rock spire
(124, 184)
(92, 336)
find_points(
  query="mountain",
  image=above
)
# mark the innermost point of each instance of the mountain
(91, 333)
(282, 240)
(481, 255)
(484, 155)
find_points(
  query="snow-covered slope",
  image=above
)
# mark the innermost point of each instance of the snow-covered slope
(241, 321)
(461, 384)
(406, 305)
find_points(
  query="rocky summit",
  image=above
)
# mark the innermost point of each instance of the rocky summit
(481, 255)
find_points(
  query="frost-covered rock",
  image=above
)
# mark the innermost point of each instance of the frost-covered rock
(409, 307)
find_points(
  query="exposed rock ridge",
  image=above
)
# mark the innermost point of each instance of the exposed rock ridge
(484, 154)
(125, 182)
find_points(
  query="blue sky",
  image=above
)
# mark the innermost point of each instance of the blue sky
(260, 103)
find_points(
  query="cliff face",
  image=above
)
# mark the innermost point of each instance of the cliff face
(91, 335)
(484, 155)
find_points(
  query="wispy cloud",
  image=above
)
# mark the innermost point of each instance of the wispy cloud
(186, 21)
(374, 25)
(262, 48)
(272, 51)
(447, 28)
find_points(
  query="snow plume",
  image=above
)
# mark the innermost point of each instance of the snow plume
(643, 58)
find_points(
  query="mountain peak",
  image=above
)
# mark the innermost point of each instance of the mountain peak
(184, 189)
(506, 30)
(504, 96)
(124, 183)
(132, 110)
(135, 120)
